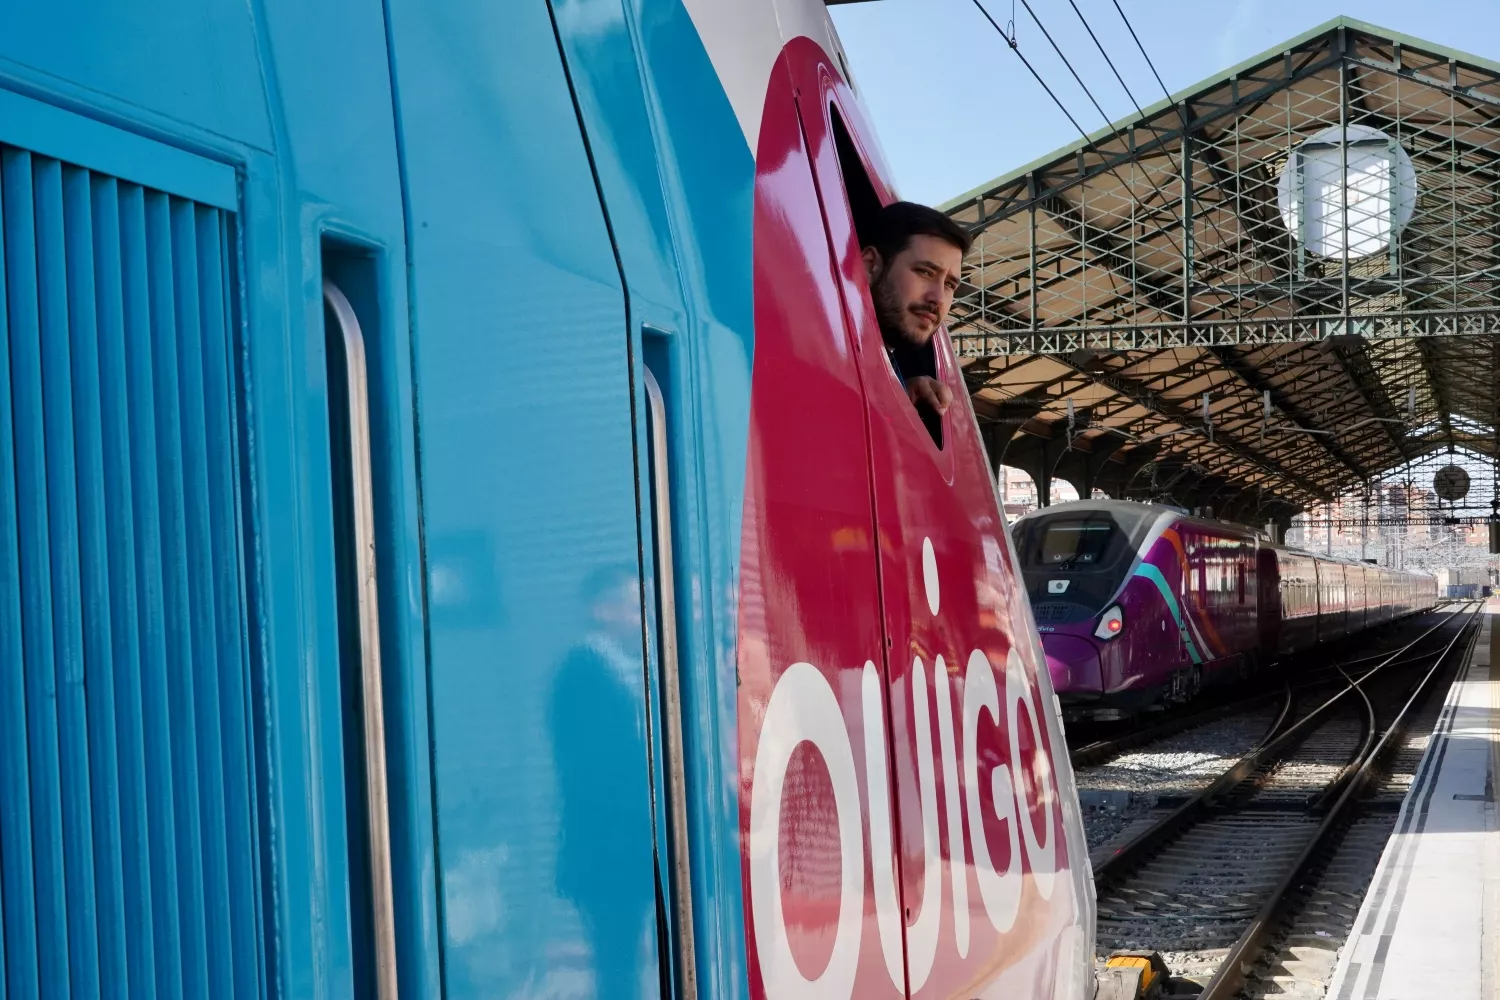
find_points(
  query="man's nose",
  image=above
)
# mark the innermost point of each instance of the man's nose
(935, 298)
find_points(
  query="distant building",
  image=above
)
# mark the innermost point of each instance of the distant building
(1402, 526)
(1019, 497)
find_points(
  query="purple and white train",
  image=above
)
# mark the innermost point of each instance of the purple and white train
(1140, 604)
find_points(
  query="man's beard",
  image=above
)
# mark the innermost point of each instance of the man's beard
(891, 317)
(912, 355)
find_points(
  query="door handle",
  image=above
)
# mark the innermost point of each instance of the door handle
(377, 790)
(674, 752)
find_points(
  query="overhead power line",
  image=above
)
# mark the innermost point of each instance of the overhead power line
(1098, 45)
(1016, 48)
(1011, 41)
(1138, 45)
(1112, 169)
(1055, 48)
(1156, 189)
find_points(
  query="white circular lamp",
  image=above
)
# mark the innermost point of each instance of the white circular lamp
(1347, 191)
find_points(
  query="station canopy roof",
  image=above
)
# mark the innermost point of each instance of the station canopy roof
(1256, 296)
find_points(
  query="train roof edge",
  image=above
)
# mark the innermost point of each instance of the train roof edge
(1136, 506)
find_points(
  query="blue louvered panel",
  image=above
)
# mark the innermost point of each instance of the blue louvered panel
(127, 858)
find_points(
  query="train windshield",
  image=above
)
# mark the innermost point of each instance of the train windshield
(1074, 561)
(1076, 544)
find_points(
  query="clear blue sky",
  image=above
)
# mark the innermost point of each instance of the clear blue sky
(955, 107)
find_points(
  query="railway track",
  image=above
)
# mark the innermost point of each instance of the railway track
(1122, 738)
(1250, 883)
(1097, 752)
(1321, 896)
(1122, 779)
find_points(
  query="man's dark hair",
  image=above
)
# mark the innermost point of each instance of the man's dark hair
(899, 221)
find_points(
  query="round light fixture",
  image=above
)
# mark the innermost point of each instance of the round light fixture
(1347, 191)
(1451, 483)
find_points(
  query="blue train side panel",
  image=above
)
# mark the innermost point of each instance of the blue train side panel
(530, 514)
(526, 207)
(193, 69)
(191, 116)
(529, 506)
(341, 217)
(677, 180)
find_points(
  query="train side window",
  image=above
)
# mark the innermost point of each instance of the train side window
(864, 209)
(864, 203)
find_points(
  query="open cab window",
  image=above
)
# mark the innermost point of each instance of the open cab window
(864, 208)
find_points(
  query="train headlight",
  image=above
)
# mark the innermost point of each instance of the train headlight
(1111, 624)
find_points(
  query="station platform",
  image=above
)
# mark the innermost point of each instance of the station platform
(1429, 925)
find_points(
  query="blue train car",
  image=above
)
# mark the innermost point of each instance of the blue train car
(437, 450)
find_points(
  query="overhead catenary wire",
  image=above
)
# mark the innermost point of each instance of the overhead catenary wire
(1011, 40)
(1100, 46)
(1056, 48)
(1156, 190)
(1015, 47)
(1131, 28)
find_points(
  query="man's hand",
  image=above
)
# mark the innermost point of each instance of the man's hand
(935, 394)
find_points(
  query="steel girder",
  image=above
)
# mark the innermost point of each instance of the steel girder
(1156, 261)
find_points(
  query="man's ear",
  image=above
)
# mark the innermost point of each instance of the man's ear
(872, 263)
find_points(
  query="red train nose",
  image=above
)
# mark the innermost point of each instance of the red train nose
(1073, 663)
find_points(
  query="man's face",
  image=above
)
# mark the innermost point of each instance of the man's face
(913, 292)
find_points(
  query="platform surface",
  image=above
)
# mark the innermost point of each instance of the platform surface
(1428, 925)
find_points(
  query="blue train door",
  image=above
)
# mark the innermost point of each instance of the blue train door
(546, 833)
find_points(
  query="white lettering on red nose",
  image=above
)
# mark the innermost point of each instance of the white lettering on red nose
(951, 792)
(922, 933)
(803, 709)
(1041, 851)
(1000, 892)
(882, 857)
(930, 576)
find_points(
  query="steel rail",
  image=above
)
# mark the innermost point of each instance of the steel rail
(1368, 724)
(1097, 752)
(1287, 701)
(1149, 840)
(1235, 968)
